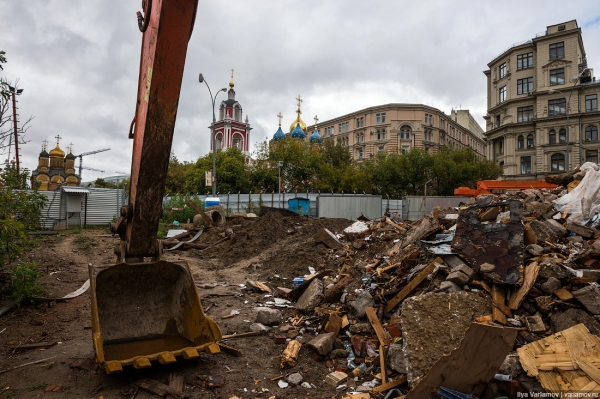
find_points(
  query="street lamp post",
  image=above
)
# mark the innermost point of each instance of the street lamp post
(14, 92)
(214, 144)
(280, 165)
(552, 91)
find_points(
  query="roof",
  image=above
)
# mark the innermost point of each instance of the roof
(230, 102)
(75, 190)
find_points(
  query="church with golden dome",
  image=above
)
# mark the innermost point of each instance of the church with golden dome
(298, 127)
(55, 169)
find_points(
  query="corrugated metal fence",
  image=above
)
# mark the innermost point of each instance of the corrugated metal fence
(103, 205)
(417, 207)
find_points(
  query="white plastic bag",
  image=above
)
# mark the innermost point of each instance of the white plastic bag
(583, 201)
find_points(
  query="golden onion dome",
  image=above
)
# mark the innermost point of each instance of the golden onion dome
(57, 153)
(297, 121)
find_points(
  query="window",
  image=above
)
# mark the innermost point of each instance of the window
(500, 147)
(524, 86)
(343, 127)
(497, 121)
(238, 114)
(591, 133)
(380, 118)
(502, 70)
(525, 114)
(525, 165)
(562, 136)
(520, 143)
(405, 132)
(525, 61)
(530, 143)
(344, 140)
(591, 156)
(237, 142)
(428, 119)
(381, 148)
(405, 148)
(360, 122)
(329, 131)
(591, 103)
(219, 142)
(557, 50)
(502, 94)
(552, 137)
(221, 112)
(557, 162)
(557, 77)
(557, 107)
(380, 135)
(428, 135)
(360, 137)
(359, 153)
(442, 124)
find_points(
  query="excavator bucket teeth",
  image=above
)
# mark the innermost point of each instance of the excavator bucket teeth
(147, 312)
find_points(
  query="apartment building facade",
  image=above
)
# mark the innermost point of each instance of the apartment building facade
(542, 98)
(397, 127)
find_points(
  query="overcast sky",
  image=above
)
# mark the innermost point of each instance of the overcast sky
(78, 63)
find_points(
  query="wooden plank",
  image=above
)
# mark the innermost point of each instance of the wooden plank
(334, 324)
(374, 320)
(531, 272)
(563, 294)
(176, 382)
(498, 301)
(230, 349)
(589, 369)
(382, 357)
(37, 345)
(412, 285)
(159, 389)
(389, 385)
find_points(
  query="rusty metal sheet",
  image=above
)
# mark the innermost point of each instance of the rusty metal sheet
(498, 243)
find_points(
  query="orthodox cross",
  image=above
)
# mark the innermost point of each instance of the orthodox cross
(232, 74)
(45, 144)
(316, 120)
(299, 101)
(279, 116)
(57, 137)
(71, 148)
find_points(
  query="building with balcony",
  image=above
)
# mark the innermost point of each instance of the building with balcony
(542, 99)
(397, 127)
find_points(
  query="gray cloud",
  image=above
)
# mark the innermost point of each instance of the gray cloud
(78, 62)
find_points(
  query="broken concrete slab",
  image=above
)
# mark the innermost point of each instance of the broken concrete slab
(571, 317)
(589, 297)
(458, 278)
(396, 360)
(535, 324)
(267, 316)
(560, 230)
(323, 343)
(356, 230)
(580, 230)
(328, 238)
(551, 285)
(469, 367)
(500, 244)
(312, 297)
(511, 365)
(424, 317)
(362, 299)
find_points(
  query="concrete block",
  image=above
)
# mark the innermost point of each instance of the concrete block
(535, 250)
(267, 316)
(571, 317)
(535, 324)
(560, 230)
(328, 238)
(511, 365)
(323, 343)
(589, 297)
(580, 230)
(464, 269)
(259, 327)
(311, 297)
(396, 359)
(452, 286)
(551, 285)
(458, 278)
(362, 299)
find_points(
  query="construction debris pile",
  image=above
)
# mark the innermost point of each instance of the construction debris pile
(496, 298)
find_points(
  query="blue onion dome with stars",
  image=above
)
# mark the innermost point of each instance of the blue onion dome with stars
(315, 137)
(298, 133)
(279, 135)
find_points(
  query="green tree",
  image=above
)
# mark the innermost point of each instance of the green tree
(175, 183)
(232, 173)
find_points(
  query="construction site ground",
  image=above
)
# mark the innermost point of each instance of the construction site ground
(272, 249)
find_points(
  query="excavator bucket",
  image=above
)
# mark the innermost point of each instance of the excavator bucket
(148, 312)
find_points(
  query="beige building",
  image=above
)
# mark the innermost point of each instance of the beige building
(396, 127)
(533, 89)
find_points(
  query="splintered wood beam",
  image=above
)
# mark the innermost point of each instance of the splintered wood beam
(422, 275)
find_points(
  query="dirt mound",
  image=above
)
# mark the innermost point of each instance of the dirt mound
(274, 244)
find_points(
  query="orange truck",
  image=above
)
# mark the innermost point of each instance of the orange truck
(496, 186)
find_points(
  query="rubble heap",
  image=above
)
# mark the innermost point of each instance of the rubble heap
(496, 297)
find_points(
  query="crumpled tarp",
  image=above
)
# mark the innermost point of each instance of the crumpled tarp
(583, 202)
